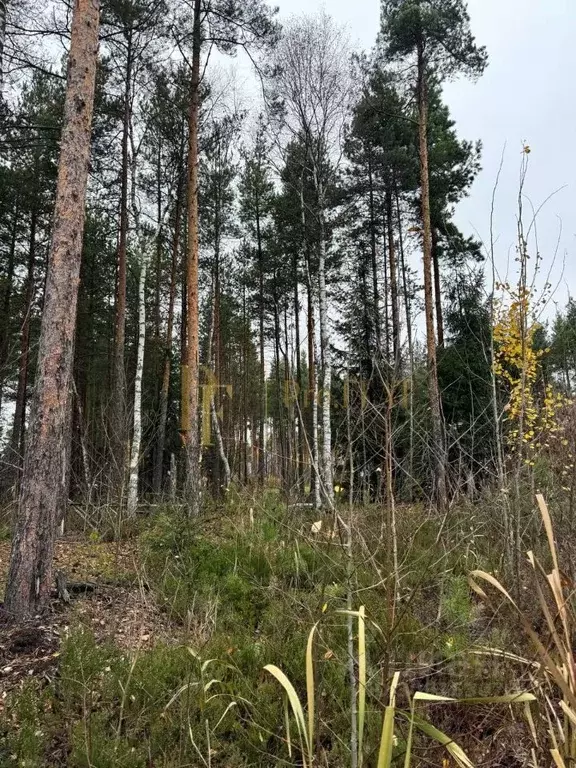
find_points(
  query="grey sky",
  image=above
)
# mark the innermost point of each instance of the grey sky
(526, 94)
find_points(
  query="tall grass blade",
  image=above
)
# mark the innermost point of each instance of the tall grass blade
(228, 708)
(510, 698)
(548, 527)
(287, 726)
(455, 751)
(557, 757)
(361, 681)
(310, 688)
(296, 709)
(387, 739)
(530, 721)
(408, 755)
(553, 669)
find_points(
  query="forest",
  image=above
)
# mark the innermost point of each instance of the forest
(287, 462)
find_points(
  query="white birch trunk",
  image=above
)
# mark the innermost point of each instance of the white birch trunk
(315, 448)
(220, 444)
(137, 420)
(327, 469)
(173, 477)
(3, 13)
(134, 460)
(315, 427)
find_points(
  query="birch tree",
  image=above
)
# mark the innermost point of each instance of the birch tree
(143, 243)
(3, 18)
(311, 87)
(132, 27)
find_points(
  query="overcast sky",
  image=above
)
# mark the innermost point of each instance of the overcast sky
(526, 94)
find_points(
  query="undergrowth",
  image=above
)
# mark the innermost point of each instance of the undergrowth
(243, 587)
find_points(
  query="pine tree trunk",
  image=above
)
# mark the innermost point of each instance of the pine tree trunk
(214, 356)
(279, 409)
(291, 453)
(438, 446)
(45, 467)
(158, 276)
(158, 348)
(437, 291)
(246, 462)
(373, 253)
(118, 404)
(165, 389)
(191, 366)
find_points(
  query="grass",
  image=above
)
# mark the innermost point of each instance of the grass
(244, 587)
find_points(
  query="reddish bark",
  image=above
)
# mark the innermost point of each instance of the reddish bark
(190, 367)
(44, 480)
(438, 445)
(164, 391)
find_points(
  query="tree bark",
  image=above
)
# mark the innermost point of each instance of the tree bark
(327, 469)
(16, 446)
(373, 253)
(313, 394)
(118, 404)
(392, 261)
(6, 304)
(222, 474)
(263, 391)
(281, 453)
(191, 366)
(298, 387)
(222, 480)
(409, 337)
(291, 452)
(137, 418)
(438, 446)
(3, 17)
(165, 388)
(437, 291)
(44, 488)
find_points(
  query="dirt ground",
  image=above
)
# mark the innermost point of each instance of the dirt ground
(115, 604)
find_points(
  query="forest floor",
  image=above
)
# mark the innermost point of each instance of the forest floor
(111, 602)
(162, 661)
